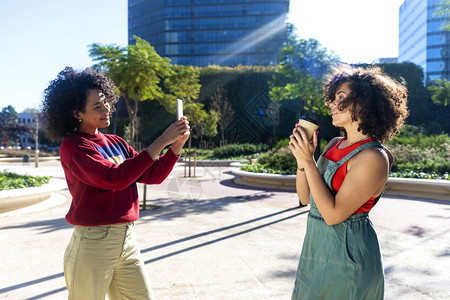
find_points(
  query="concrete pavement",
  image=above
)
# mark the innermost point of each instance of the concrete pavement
(207, 238)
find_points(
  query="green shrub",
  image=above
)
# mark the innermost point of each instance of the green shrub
(202, 154)
(422, 141)
(9, 181)
(259, 168)
(236, 150)
(276, 161)
(282, 143)
(422, 154)
(416, 155)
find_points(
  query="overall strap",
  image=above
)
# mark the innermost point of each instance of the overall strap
(334, 166)
(333, 142)
(357, 150)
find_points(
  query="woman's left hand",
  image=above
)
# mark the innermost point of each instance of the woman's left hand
(179, 143)
(187, 131)
(301, 147)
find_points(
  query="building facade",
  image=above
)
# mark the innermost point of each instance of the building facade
(422, 40)
(207, 32)
(385, 60)
(28, 121)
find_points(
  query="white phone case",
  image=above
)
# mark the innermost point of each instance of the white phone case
(179, 108)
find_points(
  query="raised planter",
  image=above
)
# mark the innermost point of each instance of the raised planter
(264, 180)
(420, 188)
(11, 200)
(211, 163)
(30, 159)
(13, 203)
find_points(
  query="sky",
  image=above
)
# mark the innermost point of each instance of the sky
(39, 38)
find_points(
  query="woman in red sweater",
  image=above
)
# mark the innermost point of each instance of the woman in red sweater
(101, 172)
(341, 256)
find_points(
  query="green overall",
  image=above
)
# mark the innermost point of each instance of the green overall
(341, 261)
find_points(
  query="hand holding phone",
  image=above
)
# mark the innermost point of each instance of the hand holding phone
(179, 108)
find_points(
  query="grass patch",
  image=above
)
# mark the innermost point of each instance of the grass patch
(10, 181)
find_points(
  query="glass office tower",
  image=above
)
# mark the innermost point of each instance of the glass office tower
(211, 32)
(422, 40)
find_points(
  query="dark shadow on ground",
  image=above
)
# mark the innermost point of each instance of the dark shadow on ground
(43, 295)
(44, 226)
(36, 281)
(224, 229)
(173, 208)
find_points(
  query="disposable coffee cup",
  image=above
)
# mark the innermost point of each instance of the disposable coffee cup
(309, 126)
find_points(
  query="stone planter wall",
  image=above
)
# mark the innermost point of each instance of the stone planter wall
(420, 188)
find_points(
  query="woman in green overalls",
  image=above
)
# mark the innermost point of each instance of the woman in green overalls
(341, 256)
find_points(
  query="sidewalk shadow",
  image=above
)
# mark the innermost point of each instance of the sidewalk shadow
(35, 281)
(170, 208)
(44, 226)
(279, 218)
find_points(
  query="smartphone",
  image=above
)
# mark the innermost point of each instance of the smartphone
(179, 108)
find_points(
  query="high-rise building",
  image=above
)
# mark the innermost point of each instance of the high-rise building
(422, 40)
(211, 32)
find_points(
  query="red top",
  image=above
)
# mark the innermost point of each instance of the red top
(335, 154)
(101, 172)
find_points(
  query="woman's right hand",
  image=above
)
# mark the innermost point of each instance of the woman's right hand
(302, 149)
(175, 131)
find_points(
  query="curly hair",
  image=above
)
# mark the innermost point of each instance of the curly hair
(68, 94)
(376, 101)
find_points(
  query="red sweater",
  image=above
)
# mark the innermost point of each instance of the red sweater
(101, 172)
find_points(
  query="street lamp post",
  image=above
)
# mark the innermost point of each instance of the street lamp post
(36, 142)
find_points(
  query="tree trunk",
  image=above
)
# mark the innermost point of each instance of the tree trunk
(136, 125)
(189, 153)
(131, 119)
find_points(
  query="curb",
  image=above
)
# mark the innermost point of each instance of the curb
(18, 199)
(421, 188)
(31, 158)
(211, 163)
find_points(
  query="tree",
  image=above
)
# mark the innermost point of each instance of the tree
(440, 92)
(9, 128)
(183, 83)
(443, 10)
(211, 123)
(303, 63)
(136, 70)
(222, 106)
(412, 77)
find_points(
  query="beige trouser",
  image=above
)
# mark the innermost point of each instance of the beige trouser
(102, 260)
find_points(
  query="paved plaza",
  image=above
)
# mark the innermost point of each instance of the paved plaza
(208, 238)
